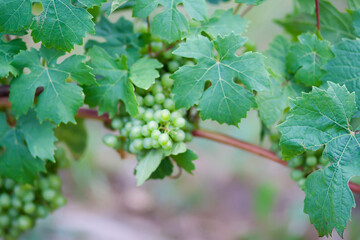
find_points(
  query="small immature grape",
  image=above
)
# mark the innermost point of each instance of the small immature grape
(175, 115)
(311, 161)
(157, 88)
(149, 100)
(179, 122)
(147, 143)
(140, 100)
(296, 175)
(24, 222)
(178, 135)
(59, 201)
(135, 132)
(157, 107)
(168, 145)
(55, 181)
(4, 220)
(155, 134)
(169, 104)
(163, 139)
(166, 81)
(145, 131)
(188, 137)
(29, 208)
(159, 98)
(128, 126)
(155, 143)
(16, 203)
(165, 115)
(117, 123)
(148, 115)
(5, 200)
(9, 184)
(173, 66)
(157, 116)
(296, 162)
(152, 125)
(301, 183)
(42, 211)
(110, 140)
(28, 197)
(124, 132)
(138, 144)
(168, 55)
(49, 194)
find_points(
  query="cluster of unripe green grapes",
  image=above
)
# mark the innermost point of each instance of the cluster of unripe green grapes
(302, 165)
(22, 204)
(157, 125)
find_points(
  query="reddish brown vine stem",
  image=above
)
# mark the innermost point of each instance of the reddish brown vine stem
(217, 137)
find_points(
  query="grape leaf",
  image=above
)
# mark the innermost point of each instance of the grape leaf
(59, 101)
(61, 25)
(250, 2)
(89, 3)
(74, 136)
(344, 67)
(116, 4)
(15, 15)
(274, 101)
(356, 22)
(335, 25)
(317, 119)
(7, 51)
(114, 85)
(16, 161)
(120, 39)
(232, 101)
(185, 160)
(353, 4)
(165, 169)
(224, 23)
(307, 6)
(147, 165)
(170, 24)
(306, 58)
(143, 73)
(39, 137)
(276, 55)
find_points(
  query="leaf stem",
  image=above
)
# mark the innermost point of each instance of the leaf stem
(246, 10)
(317, 15)
(237, 8)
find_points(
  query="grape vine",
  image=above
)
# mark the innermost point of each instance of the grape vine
(153, 82)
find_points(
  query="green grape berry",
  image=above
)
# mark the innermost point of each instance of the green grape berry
(179, 122)
(163, 139)
(153, 125)
(296, 162)
(148, 115)
(59, 201)
(42, 211)
(147, 143)
(173, 66)
(166, 81)
(49, 194)
(311, 161)
(149, 100)
(29, 208)
(4, 220)
(157, 88)
(5, 201)
(117, 124)
(296, 175)
(168, 145)
(323, 160)
(145, 131)
(55, 181)
(159, 98)
(178, 135)
(169, 104)
(155, 134)
(301, 183)
(110, 140)
(135, 132)
(24, 222)
(165, 115)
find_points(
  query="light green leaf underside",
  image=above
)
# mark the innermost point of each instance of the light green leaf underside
(143, 72)
(147, 165)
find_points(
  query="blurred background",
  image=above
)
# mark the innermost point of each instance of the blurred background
(232, 195)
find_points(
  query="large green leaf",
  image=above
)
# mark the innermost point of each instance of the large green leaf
(61, 25)
(170, 24)
(7, 51)
(185, 160)
(232, 101)
(353, 4)
(276, 55)
(306, 58)
(317, 119)
(59, 101)
(344, 67)
(16, 161)
(15, 15)
(143, 72)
